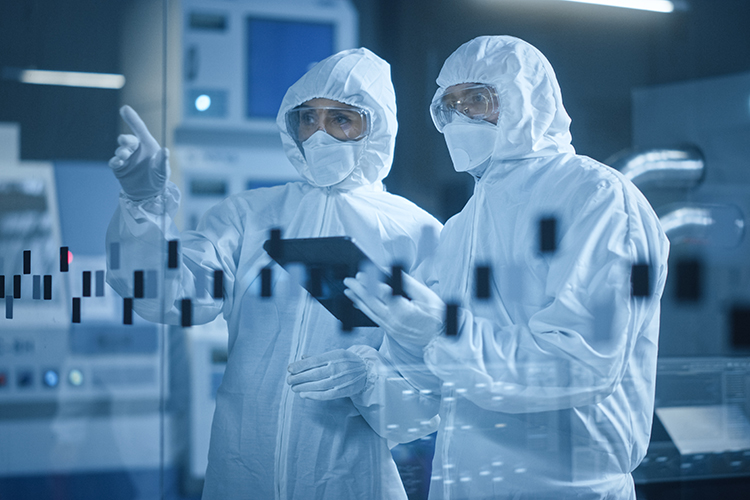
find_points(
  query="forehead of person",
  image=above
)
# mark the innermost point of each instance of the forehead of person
(532, 120)
(359, 78)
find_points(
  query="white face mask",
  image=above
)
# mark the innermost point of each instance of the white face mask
(470, 143)
(329, 159)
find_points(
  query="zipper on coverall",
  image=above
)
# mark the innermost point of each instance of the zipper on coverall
(450, 394)
(287, 396)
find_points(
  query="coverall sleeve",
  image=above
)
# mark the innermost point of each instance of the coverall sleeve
(402, 398)
(140, 231)
(575, 346)
(395, 408)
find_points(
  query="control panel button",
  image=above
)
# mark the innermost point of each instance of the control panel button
(25, 379)
(51, 378)
(75, 377)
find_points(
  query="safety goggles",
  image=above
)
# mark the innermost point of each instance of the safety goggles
(475, 101)
(343, 123)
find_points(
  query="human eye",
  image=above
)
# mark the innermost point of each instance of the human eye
(341, 118)
(308, 118)
(477, 97)
(451, 104)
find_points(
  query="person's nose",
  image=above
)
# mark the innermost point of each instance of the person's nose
(321, 123)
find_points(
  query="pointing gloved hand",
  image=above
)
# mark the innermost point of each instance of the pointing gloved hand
(412, 322)
(140, 164)
(334, 374)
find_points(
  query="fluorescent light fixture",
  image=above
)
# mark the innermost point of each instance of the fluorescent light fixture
(652, 5)
(72, 79)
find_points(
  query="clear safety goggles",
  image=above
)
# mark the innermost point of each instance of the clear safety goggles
(343, 123)
(475, 101)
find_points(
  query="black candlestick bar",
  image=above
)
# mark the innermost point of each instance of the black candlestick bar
(63, 259)
(218, 284)
(47, 287)
(187, 313)
(397, 280)
(482, 282)
(87, 283)
(547, 234)
(640, 281)
(275, 248)
(127, 311)
(172, 254)
(138, 284)
(265, 282)
(76, 309)
(451, 320)
(27, 262)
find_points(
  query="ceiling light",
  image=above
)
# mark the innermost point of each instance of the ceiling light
(66, 78)
(652, 5)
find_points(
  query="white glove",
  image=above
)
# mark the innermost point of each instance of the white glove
(412, 322)
(140, 164)
(334, 374)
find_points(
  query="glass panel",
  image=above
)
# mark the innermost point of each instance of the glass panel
(86, 409)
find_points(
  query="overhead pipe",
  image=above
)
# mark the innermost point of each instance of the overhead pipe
(717, 225)
(661, 168)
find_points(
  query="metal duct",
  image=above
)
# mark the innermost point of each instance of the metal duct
(665, 168)
(704, 224)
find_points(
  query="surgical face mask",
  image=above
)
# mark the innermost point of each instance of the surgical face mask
(469, 143)
(329, 159)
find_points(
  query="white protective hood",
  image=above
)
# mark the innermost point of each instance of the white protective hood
(359, 78)
(533, 121)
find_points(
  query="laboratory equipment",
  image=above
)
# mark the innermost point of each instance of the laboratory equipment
(700, 440)
(701, 427)
(238, 60)
(703, 208)
(79, 401)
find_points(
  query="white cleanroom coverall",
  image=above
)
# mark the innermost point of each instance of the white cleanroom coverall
(266, 441)
(548, 388)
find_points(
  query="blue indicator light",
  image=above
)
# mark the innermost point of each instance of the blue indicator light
(51, 378)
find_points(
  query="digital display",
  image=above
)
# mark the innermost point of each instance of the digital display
(278, 54)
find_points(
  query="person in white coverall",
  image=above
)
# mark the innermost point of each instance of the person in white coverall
(548, 385)
(314, 436)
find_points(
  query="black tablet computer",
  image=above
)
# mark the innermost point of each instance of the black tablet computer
(327, 261)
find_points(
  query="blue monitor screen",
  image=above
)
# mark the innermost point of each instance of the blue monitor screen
(279, 53)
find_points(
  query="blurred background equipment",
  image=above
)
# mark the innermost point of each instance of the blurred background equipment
(101, 409)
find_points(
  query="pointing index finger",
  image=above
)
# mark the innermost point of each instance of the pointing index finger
(139, 128)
